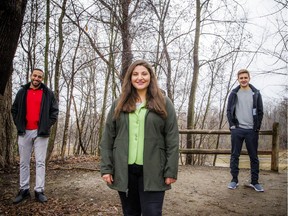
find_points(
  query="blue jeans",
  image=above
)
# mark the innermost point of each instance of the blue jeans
(138, 201)
(238, 136)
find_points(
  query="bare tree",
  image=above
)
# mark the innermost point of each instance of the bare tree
(89, 47)
(57, 76)
(11, 18)
(12, 14)
(161, 15)
(191, 111)
(47, 40)
(120, 10)
(70, 87)
(113, 34)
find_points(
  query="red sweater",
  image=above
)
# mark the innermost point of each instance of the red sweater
(33, 105)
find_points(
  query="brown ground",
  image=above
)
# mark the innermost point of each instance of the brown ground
(75, 188)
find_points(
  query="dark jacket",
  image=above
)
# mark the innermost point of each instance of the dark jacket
(48, 111)
(161, 149)
(257, 108)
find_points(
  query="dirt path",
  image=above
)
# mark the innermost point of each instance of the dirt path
(76, 188)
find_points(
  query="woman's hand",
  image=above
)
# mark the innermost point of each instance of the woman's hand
(169, 181)
(108, 178)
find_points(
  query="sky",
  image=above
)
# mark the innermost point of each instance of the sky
(271, 86)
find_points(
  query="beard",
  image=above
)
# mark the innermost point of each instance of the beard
(35, 84)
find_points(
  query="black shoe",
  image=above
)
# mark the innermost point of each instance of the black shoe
(22, 194)
(40, 197)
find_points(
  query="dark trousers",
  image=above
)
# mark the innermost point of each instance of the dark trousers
(137, 201)
(238, 136)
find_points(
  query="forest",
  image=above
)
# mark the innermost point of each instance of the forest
(195, 47)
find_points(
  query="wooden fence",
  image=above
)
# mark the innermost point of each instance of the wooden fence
(274, 152)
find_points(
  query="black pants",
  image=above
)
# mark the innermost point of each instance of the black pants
(238, 136)
(137, 201)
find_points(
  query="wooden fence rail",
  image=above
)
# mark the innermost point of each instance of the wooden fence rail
(274, 152)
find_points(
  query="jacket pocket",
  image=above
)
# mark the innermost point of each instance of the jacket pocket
(155, 153)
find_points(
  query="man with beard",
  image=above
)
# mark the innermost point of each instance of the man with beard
(34, 111)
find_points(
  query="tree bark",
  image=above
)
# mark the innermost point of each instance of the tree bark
(70, 87)
(11, 19)
(123, 24)
(47, 42)
(161, 15)
(191, 105)
(126, 37)
(57, 77)
(6, 128)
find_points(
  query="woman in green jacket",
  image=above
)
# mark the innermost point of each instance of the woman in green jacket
(139, 147)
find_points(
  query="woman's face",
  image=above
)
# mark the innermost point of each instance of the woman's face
(140, 78)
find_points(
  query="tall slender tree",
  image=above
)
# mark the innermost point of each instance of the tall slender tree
(57, 75)
(47, 40)
(191, 103)
(161, 15)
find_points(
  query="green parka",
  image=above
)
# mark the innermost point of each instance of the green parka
(161, 149)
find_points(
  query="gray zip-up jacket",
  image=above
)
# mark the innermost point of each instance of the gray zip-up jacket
(161, 149)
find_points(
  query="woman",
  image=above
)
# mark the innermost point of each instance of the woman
(139, 147)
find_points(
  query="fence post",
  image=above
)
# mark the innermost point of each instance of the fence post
(275, 147)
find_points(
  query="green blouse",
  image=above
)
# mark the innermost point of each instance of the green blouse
(136, 135)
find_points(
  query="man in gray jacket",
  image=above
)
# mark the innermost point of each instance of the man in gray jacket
(34, 111)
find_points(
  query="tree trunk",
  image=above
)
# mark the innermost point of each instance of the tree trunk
(57, 77)
(47, 38)
(191, 105)
(161, 15)
(70, 87)
(126, 37)
(112, 43)
(11, 18)
(67, 121)
(80, 125)
(6, 129)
